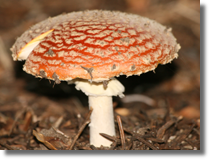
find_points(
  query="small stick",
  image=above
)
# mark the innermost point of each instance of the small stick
(115, 140)
(129, 146)
(140, 139)
(16, 119)
(93, 147)
(122, 135)
(6, 145)
(58, 122)
(87, 120)
(111, 138)
(147, 143)
(162, 129)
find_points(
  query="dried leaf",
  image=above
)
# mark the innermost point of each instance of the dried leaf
(40, 137)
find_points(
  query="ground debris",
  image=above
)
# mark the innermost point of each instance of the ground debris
(132, 133)
(53, 139)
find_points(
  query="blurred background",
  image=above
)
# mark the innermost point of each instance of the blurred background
(176, 85)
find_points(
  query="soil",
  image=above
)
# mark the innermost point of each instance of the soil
(36, 114)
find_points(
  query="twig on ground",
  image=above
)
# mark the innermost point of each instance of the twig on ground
(161, 131)
(111, 138)
(116, 140)
(122, 135)
(93, 147)
(58, 122)
(87, 121)
(145, 142)
(5, 145)
(16, 119)
(184, 134)
(138, 137)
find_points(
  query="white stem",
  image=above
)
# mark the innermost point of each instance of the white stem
(102, 120)
(100, 99)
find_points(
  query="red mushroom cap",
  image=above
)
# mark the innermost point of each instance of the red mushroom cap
(97, 45)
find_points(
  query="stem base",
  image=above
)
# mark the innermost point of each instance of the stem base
(102, 120)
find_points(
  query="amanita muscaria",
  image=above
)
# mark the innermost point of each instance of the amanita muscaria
(90, 48)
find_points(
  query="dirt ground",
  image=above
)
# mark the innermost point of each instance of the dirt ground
(36, 115)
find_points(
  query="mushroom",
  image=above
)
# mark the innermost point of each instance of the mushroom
(90, 48)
